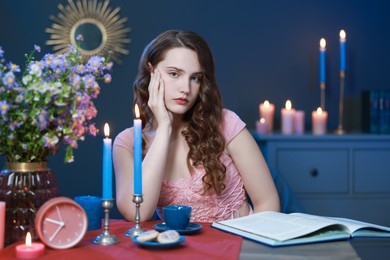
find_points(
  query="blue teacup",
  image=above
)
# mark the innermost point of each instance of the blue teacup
(177, 216)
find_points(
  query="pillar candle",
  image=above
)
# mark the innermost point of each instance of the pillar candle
(262, 126)
(319, 119)
(267, 111)
(322, 60)
(288, 118)
(107, 164)
(343, 41)
(92, 206)
(299, 122)
(137, 152)
(2, 223)
(29, 250)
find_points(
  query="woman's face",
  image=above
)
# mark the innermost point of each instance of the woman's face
(181, 73)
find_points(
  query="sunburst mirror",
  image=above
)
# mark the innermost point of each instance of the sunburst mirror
(102, 30)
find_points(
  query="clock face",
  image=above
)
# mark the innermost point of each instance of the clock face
(61, 223)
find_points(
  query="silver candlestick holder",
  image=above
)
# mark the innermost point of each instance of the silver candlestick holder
(137, 229)
(106, 238)
(340, 129)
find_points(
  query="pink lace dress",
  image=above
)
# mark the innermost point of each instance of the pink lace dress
(206, 207)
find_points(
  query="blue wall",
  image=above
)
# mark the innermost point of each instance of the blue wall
(263, 50)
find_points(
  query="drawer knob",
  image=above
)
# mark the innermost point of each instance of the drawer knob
(314, 172)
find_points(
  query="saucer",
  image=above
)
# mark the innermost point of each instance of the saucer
(191, 228)
(156, 244)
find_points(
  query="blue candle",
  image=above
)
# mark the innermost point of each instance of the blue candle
(107, 164)
(137, 153)
(322, 59)
(343, 41)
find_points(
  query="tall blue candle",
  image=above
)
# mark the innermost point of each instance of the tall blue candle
(322, 59)
(343, 41)
(107, 164)
(137, 152)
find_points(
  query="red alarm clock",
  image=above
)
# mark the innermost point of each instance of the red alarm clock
(61, 223)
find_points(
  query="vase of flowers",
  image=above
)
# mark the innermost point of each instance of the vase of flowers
(45, 107)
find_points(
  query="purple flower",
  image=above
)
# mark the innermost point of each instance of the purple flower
(4, 107)
(9, 79)
(94, 64)
(13, 67)
(37, 48)
(107, 78)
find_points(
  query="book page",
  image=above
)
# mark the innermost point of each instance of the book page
(279, 226)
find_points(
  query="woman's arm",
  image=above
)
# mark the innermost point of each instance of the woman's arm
(153, 165)
(254, 171)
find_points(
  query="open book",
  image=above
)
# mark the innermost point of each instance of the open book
(280, 229)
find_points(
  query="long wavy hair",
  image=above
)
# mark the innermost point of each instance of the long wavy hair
(202, 134)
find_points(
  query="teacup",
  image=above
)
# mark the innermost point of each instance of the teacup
(177, 216)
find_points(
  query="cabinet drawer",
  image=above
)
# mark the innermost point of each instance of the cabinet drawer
(372, 170)
(314, 170)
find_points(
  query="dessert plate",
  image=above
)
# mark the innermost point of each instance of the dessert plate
(158, 244)
(191, 228)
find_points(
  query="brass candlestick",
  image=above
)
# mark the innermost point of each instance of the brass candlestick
(106, 238)
(340, 129)
(137, 229)
(322, 86)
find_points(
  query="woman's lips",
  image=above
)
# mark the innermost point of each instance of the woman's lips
(181, 101)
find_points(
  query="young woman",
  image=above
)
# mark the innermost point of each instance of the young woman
(195, 152)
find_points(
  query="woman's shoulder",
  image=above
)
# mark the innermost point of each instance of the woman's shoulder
(125, 138)
(231, 124)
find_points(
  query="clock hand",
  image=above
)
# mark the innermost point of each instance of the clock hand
(60, 223)
(59, 214)
(56, 232)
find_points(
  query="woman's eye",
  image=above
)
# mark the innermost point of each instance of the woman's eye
(196, 78)
(173, 74)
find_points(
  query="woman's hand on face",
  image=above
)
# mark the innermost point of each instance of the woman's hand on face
(156, 100)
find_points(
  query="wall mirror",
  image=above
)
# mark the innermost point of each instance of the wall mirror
(102, 30)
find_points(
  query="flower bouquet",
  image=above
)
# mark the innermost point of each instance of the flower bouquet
(48, 104)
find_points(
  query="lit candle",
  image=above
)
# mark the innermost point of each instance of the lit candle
(299, 122)
(29, 250)
(267, 111)
(343, 40)
(2, 223)
(319, 119)
(137, 152)
(261, 126)
(288, 118)
(322, 59)
(107, 164)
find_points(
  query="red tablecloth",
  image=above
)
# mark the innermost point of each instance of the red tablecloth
(209, 243)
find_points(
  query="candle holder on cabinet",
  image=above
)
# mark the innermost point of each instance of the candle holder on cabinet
(106, 238)
(137, 229)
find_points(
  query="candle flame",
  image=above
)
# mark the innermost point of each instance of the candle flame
(288, 105)
(319, 111)
(28, 239)
(323, 43)
(106, 130)
(136, 111)
(262, 120)
(266, 104)
(342, 35)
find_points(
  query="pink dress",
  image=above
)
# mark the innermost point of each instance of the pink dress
(206, 207)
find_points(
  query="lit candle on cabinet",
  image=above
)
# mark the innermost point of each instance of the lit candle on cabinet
(261, 126)
(107, 164)
(288, 118)
(29, 250)
(267, 111)
(319, 119)
(299, 122)
(343, 42)
(137, 152)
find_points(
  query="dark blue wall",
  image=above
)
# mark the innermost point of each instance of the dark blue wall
(263, 50)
